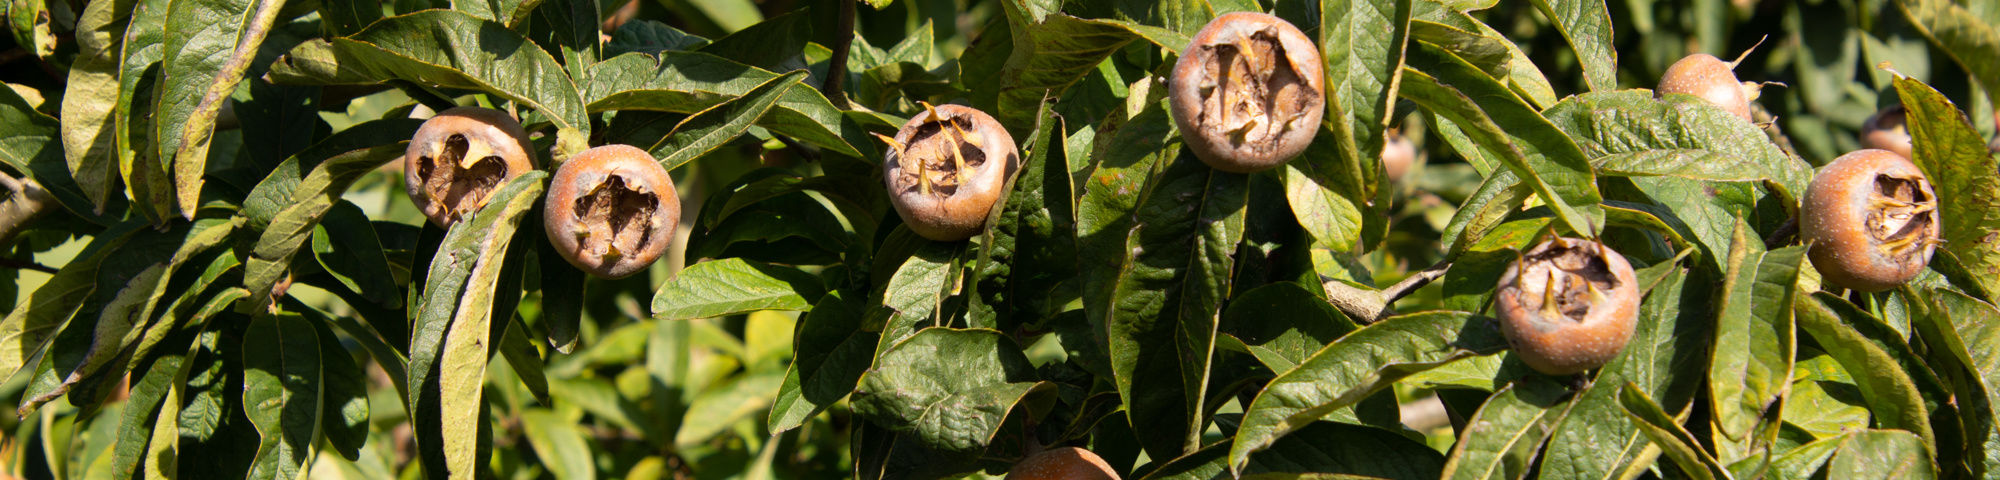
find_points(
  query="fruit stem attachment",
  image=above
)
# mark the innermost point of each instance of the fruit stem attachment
(1370, 306)
(838, 64)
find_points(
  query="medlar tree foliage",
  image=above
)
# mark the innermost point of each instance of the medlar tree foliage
(218, 272)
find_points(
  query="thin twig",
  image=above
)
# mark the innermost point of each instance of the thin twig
(1784, 234)
(796, 147)
(1415, 281)
(836, 69)
(1369, 306)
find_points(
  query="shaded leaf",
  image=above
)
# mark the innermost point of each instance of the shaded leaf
(1587, 26)
(732, 286)
(949, 388)
(834, 349)
(1954, 158)
(689, 82)
(1504, 436)
(712, 128)
(1318, 447)
(282, 392)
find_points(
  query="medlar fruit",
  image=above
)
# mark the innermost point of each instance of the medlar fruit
(1398, 155)
(611, 211)
(1887, 130)
(1568, 305)
(459, 157)
(1712, 79)
(1248, 93)
(1067, 463)
(1871, 219)
(946, 169)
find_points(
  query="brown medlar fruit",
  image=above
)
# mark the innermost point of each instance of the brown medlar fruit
(459, 157)
(1871, 219)
(1398, 155)
(611, 211)
(1887, 130)
(945, 170)
(1712, 79)
(1067, 463)
(1248, 93)
(1568, 305)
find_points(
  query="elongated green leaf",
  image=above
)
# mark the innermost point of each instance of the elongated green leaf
(834, 349)
(1503, 437)
(91, 97)
(275, 192)
(1166, 299)
(1325, 196)
(1490, 54)
(1050, 52)
(712, 128)
(1357, 365)
(32, 145)
(559, 444)
(1754, 347)
(1522, 75)
(1882, 454)
(1630, 133)
(1127, 158)
(1531, 146)
(146, 178)
(562, 297)
(32, 26)
(950, 388)
(1667, 433)
(162, 448)
(459, 289)
(1363, 44)
(107, 331)
(767, 44)
(292, 227)
(1027, 248)
(651, 37)
(726, 404)
(1892, 395)
(733, 285)
(346, 246)
(1968, 352)
(1960, 34)
(1587, 26)
(508, 12)
(34, 321)
(1953, 156)
(916, 295)
(148, 388)
(1318, 447)
(689, 82)
(211, 45)
(344, 405)
(282, 392)
(1283, 324)
(573, 26)
(344, 17)
(441, 48)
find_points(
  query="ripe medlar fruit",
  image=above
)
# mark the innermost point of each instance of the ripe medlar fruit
(1568, 305)
(1067, 463)
(1712, 79)
(1248, 93)
(1871, 218)
(946, 169)
(1398, 155)
(611, 211)
(461, 156)
(1887, 130)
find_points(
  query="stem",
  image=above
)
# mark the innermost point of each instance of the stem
(28, 201)
(1370, 306)
(836, 69)
(1784, 235)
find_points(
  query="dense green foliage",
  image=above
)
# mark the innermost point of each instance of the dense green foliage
(216, 272)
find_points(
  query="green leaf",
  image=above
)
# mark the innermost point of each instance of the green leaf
(733, 285)
(291, 228)
(915, 295)
(1167, 297)
(1961, 35)
(31, 145)
(1027, 248)
(1667, 433)
(834, 349)
(559, 444)
(1283, 324)
(1470, 283)
(1630, 133)
(33, 322)
(1126, 159)
(1490, 54)
(147, 390)
(599, 398)
(275, 192)
(509, 12)
(562, 297)
(1356, 366)
(344, 409)
(572, 27)
(1050, 52)
(344, 17)
(650, 37)
(949, 388)
(1532, 147)
(282, 392)
(1754, 344)
(1363, 44)
(725, 404)
(441, 49)
(345, 244)
(525, 359)
(1968, 353)
(1321, 447)
(1882, 454)
(139, 163)
(1325, 195)
(710, 129)
(768, 44)
(32, 27)
(1522, 75)
(210, 47)
(1587, 26)
(1892, 395)
(689, 82)
(1953, 156)
(1504, 436)
(92, 96)
(453, 313)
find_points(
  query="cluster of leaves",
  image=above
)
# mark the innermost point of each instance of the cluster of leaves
(237, 290)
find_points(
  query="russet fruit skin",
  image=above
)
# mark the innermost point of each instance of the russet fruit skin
(1398, 154)
(459, 157)
(1871, 218)
(946, 169)
(1568, 306)
(1248, 93)
(1887, 130)
(611, 211)
(1067, 463)
(1710, 78)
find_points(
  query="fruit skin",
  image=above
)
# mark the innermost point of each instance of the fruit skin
(1067, 463)
(1551, 338)
(1294, 108)
(1887, 130)
(1857, 239)
(1710, 78)
(1398, 155)
(958, 211)
(488, 135)
(632, 184)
